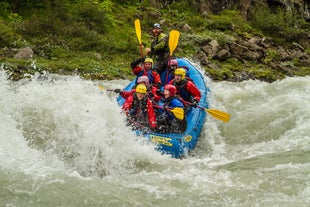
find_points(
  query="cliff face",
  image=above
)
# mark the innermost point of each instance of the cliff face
(247, 6)
(302, 6)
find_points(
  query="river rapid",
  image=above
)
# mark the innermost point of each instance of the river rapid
(64, 143)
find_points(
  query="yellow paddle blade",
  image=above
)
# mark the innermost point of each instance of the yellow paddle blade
(173, 40)
(223, 116)
(178, 112)
(138, 30)
(101, 87)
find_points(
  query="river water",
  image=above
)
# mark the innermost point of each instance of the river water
(64, 143)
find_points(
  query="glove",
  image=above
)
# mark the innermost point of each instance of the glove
(195, 103)
(142, 59)
(151, 95)
(117, 90)
(147, 51)
(136, 62)
(158, 92)
(131, 112)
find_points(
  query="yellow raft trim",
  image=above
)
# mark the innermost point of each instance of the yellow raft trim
(161, 140)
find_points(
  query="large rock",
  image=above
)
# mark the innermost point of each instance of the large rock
(211, 48)
(24, 53)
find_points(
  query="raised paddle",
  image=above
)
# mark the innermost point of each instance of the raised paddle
(221, 115)
(177, 111)
(138, 33)
(173, 41)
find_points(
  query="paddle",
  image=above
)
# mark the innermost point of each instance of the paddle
(177, 111)
(221, 115)
(173, 41)
(101, 87)
(138, 33)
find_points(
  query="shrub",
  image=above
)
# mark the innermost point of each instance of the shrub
(7, 35)
(287, 25)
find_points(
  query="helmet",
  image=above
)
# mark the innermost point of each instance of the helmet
(173, 62)
(144, 79)
(171, 88)
(141, 88)
(148, 60)
(180, 71)
(156, 25)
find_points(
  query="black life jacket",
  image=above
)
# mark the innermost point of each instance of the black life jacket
(140, 108)
(181, 89)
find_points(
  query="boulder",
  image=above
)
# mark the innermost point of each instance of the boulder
(24, 53)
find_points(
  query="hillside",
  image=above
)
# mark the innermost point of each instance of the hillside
(97, 40)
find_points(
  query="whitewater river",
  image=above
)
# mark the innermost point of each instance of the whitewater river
(64, 143)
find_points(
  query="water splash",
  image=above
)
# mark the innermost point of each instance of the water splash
(61, 134)
(71, 120)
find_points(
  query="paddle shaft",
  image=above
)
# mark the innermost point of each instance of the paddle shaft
(189, 103)
(173, 42)
(101, 87)
(220, 115)
(161, 107)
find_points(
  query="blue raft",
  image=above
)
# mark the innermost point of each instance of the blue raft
(178, 145)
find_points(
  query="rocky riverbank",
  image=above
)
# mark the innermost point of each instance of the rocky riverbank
(260, 51)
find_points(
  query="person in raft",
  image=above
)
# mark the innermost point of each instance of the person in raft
(186, 89)
(159, 50)
(151, 90)
(139, 110)
(171, 118)
(144, 67)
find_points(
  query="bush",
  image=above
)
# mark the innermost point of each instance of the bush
(77, 26)
(287, 25)
(7, 35)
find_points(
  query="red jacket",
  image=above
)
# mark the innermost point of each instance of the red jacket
(153, 76)
(137, 111)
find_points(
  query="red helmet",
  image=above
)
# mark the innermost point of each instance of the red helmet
(171, 88)
(173, 62)
(144, 79)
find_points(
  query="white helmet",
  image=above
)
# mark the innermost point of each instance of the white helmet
(144, 79)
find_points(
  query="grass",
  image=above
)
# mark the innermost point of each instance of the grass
(97, 39)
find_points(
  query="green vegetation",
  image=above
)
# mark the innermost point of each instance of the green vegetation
(97, 40)
(283, 25)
